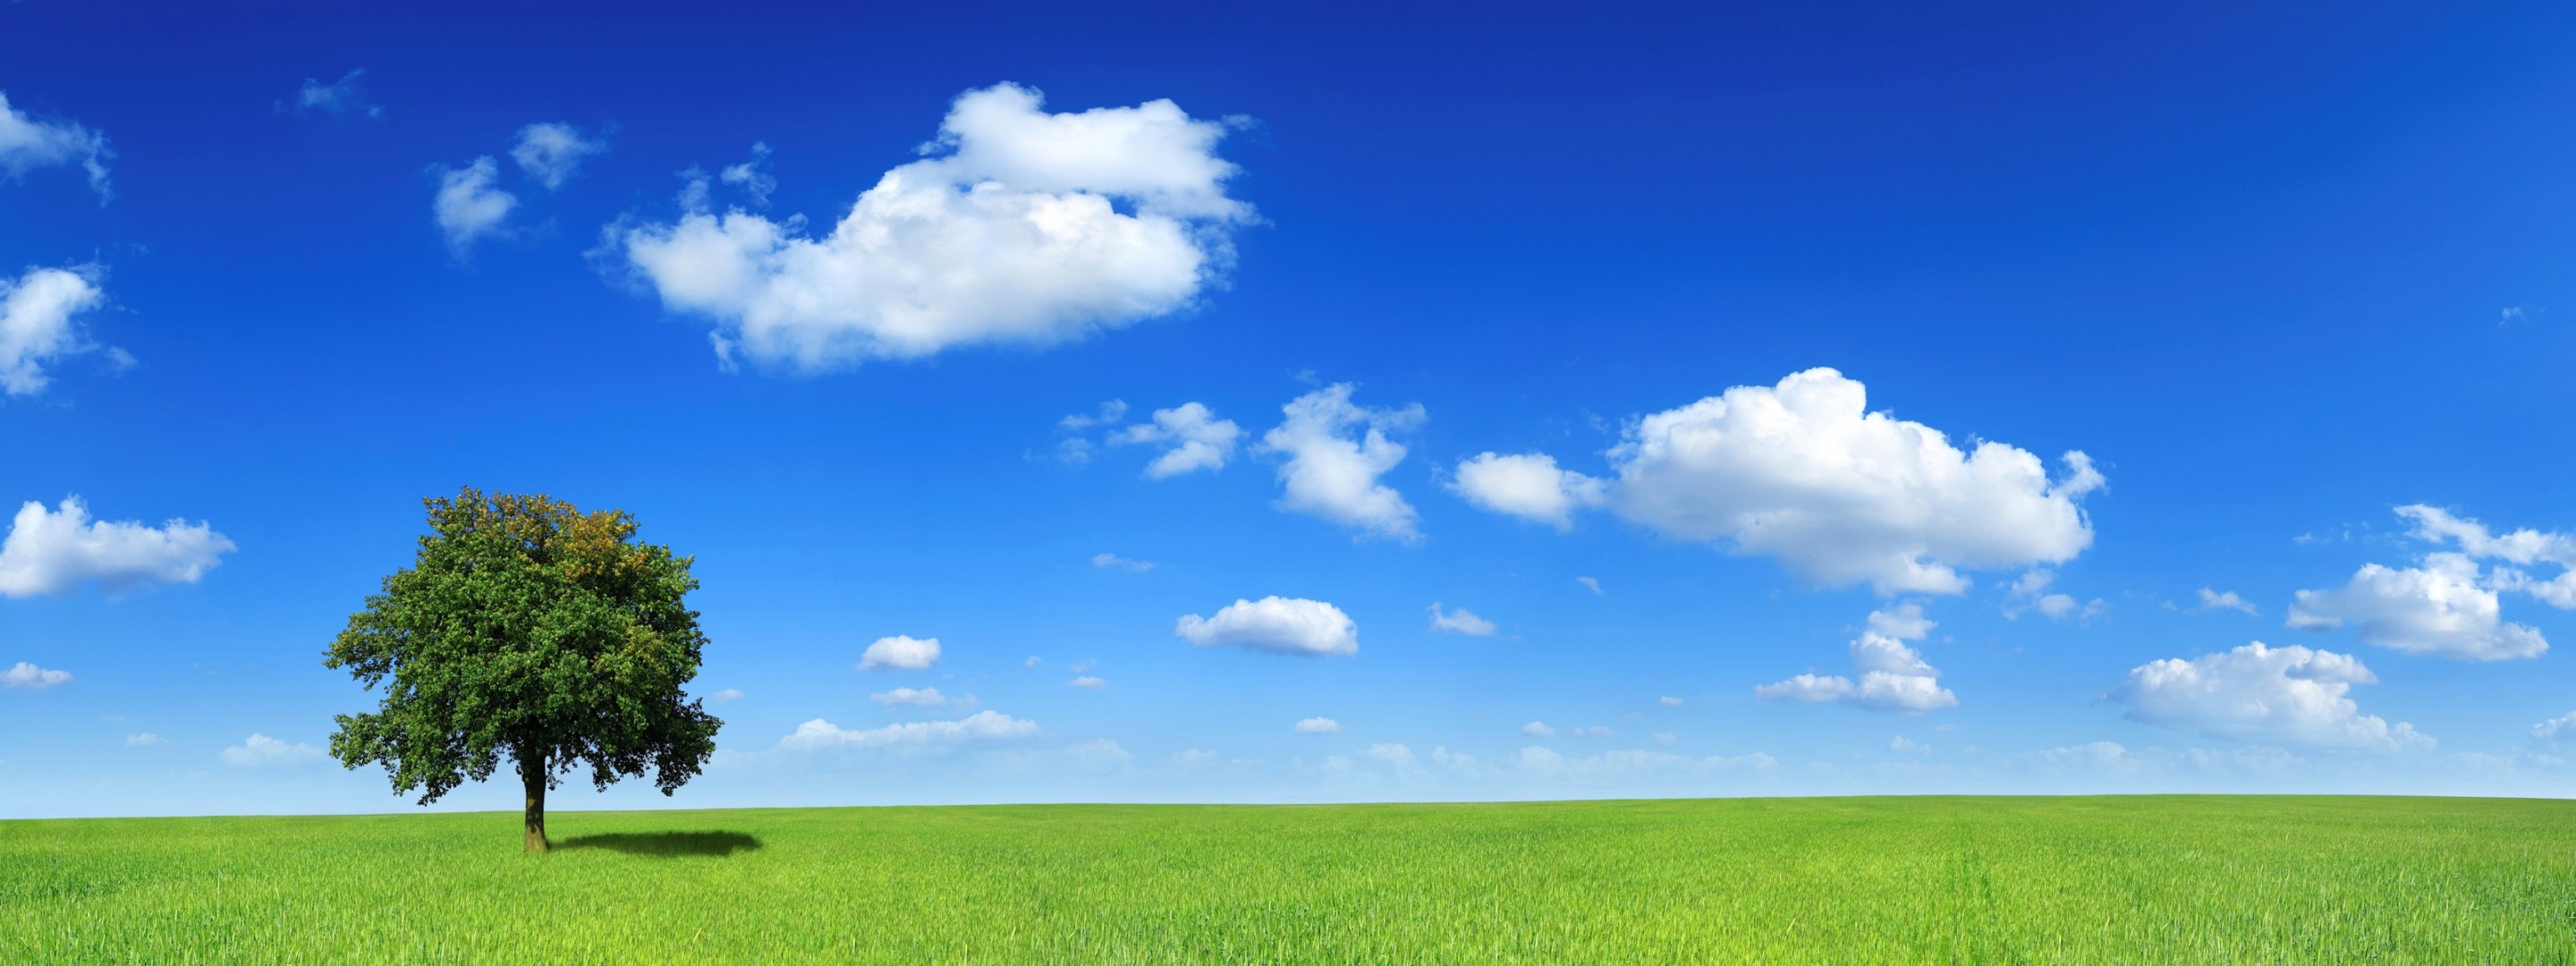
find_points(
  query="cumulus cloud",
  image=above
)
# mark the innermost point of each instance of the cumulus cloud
(52, 552)
(2521, 548)
(1111, 561)
(1280, 625)
(2211, 600)
(1538, 729)
(1893, 675)
(2438, 608)
(1194, 438)
(1087, 683)
(28, 143)
(551, 153)
(1460, 621)
(262, 751)
(819, 734)
(2286, 695)
(39, 313)
(900, 652)
(343, 96)
(1317, 726)
(2030, 593)
(726, 695)
(470, 206)
(1022, 226)
(1804, 472)
(1335, 453)
(916, 697)
(26, 675)
(1529, 486)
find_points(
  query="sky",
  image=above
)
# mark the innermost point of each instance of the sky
(1318, 403)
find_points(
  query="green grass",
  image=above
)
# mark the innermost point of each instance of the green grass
(1952, 880)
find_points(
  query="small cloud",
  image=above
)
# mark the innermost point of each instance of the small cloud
(1111, 561)
(2211, 600)
(1665, 738)
(725, 696)
(1033, 661)
(819, 734)
(1087, 683)
(146, 740)
(753, 176)
(2511, 314)
(1538, 729)
(470, 205)
(1901, 744)
(1596, 731)
(1318, 726)
(28, 142)
(900, 652)
(26, 675)
(1590, 584)
(1279, 625)
(551, 153)
(914, 697)
(1460, 621)
(262, 751)
(342, 96)
(1669, 701)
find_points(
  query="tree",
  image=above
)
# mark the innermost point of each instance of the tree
(530, 629)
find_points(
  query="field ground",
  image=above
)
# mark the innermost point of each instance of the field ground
(1952, 880)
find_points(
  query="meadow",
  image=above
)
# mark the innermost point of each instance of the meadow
(2149, 879)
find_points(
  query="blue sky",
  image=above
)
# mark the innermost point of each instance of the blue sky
(2294, 283)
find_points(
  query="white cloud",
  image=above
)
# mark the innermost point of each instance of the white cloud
(2522, 548)
(27, 144)
(262, 751)
(1666, 738)
(551, 153)
(1904, 745)
(2029, 593)
(2434, 609)
(1087, 683)
(2286, 695)
(916, 697)
(1538, 729)
(25, 675)
(1669, 701)
(342, 96)
(980, 726)
(1111, 561)
(753, 176)
(1011, 232)
(1595, 731)
(1317, 726)
(468, 206)
(2211, 600)
(1893, 676)
(146, 740)
(1332, 473)
(1590, 584)
(54, 552)
(1280, 625)
(1199, 440)
(1398, 756)
(900, 652)
(1033, 661)
(1803, 472)
(37, 324)
(1529, 486)
(1460, 621)
(726, 695)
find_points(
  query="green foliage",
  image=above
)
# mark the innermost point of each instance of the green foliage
(2148, 880)
(529, 629)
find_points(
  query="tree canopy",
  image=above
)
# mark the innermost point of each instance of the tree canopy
(528, 629)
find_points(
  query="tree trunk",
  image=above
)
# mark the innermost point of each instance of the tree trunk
(532, 773)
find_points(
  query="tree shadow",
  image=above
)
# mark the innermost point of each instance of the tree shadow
(665, 844)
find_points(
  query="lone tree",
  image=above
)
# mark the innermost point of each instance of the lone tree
(530, 629)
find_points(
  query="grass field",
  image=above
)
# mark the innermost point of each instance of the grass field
(2078, 880)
